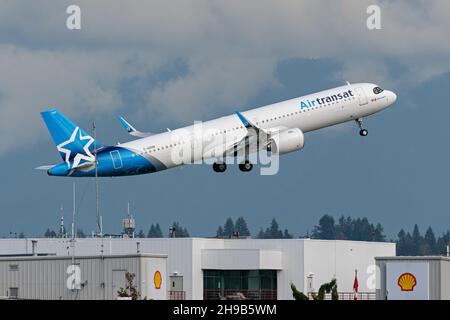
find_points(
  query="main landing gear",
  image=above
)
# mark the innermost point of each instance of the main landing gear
(362, 132)
(219, 167)
(246, 166)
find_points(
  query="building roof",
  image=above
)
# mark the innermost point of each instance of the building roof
(418, 258)
(54, 257)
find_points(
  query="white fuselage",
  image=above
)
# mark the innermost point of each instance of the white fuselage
(307, 113)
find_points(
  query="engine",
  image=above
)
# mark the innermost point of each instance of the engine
(287, 141)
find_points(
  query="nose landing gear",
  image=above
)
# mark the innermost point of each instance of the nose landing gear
(362, 132)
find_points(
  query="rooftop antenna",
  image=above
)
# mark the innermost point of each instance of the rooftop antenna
(73, 211)
(99, 227)
(72, 240)
(62, 230)
(129, 224)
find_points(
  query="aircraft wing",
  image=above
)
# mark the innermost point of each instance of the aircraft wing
(256, 139)
(132, 130)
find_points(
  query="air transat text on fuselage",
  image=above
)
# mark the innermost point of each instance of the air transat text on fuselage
(328, 99)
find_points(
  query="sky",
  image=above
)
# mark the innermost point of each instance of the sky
(167, 64)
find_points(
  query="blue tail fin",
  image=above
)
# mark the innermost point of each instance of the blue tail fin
(71, 141)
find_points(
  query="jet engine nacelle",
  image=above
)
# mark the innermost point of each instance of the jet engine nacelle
(287, 141)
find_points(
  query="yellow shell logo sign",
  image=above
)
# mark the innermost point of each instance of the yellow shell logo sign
(157, 279)
(407, 281)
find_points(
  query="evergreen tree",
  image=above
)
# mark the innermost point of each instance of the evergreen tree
(410, 246)
(219, 232)
(241, 227)
(151, 231)
(287, 235)
(274, 232)
(359, 229)
(442, 242)
(326, 228)
(180, 232)
(47, 233)
(430, 242)
(344, 228)
(228, 228)
(261, 234)
(158, 231)
(154, 231)
(21, 235)
(140, 234)
(363, 230)
(417, 242)
(379, 233)
(401, 243)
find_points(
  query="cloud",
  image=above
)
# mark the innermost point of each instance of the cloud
(230, 50)
(35, 80)
(226, 84)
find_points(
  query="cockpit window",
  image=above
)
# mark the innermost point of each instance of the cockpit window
(377, 90)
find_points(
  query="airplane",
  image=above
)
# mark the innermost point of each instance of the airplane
(276, 128)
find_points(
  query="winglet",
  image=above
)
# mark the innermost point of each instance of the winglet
(126, 124)
(246, 123)
(132, 130)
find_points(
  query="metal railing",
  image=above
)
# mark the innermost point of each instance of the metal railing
(177, 295)
(348, 295)
(239, 294)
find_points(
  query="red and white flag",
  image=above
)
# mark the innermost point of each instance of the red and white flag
(355, 286)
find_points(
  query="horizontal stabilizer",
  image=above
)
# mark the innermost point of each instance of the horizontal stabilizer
(48, 167)
(132, 130)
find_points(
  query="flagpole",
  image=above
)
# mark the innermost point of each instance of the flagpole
(355, 286)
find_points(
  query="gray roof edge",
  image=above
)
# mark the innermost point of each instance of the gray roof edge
(68, 257)
(418, 258)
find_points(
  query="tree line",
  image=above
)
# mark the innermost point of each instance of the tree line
(176, 230)
(345, 228)
(360, 229)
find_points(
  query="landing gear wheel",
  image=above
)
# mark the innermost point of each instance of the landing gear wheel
(363, 132)
(219, 167)
(246, 166)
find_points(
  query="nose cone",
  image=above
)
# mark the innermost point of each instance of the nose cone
(392, 97)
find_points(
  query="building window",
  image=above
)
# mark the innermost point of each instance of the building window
(236, 284)
(14, 293)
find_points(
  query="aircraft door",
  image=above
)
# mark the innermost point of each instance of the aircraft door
(116, 159)
(361, 96)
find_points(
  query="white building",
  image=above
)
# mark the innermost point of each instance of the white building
(414, 278)
(202, 268)
(81, 277)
